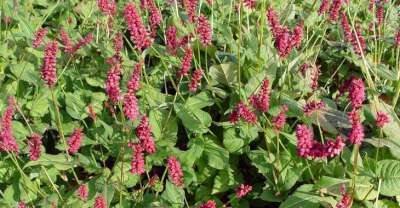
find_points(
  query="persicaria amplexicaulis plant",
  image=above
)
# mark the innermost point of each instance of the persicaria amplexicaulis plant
(188, 103)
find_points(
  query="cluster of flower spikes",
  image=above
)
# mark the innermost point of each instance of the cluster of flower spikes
(34, 146)
(285, 40)
(175, 171)
(313, 106)
(204, 30)
(354, 38)
(308, 147)
(48, 72)
(107, 7)
(7, 140)
(138, 32)
(209, 204)
(39, 35)
(75, 141)
(260, 101)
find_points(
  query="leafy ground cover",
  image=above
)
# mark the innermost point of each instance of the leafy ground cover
(193, 103)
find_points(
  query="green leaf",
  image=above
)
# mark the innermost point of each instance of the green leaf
(217, 156)
(259, 159)
(194, 120)
(392, 144)
(173, 195)
(76, 107)
(385, 73)
(223, 73)
(223, 181)
(199, 101)
(39, 106)
(389, 174)
(232, 142)
(25, 71)
(331, 184)
(302, 198)
(164, 129)
(58, 161)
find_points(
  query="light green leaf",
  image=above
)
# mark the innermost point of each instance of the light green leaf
(76, 107)
(389, 174)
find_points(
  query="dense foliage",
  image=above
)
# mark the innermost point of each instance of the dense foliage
(193, 103)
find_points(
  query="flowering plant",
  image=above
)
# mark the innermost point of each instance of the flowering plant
(193, 103)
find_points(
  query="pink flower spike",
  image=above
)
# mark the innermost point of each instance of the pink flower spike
(356, 135)
(134, 82)
(397, 39)
(100, 202)
(39, 35)
(138, 32)
(324, 7)
(171, 40)
(242, 111)
(381, 119)
(21, 204)
(7, 140)
(186, 62)
(175, 171)
(137, 163)
(65, 39)
(107, 7)
(82, 42)
(155, 17)
(304, 140)
(280, 120)
(112, 83)
(34, 146)
(195, 80)
(209, 204)
(75, 141)
(143, 132)
(251, 4)
(83, 192)
(335, 9)
(313, 106)
(131, 108)
(190, 7)
(260, 101)
(49, 73)
(243, 190)
(356, 92)
(204, 30)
